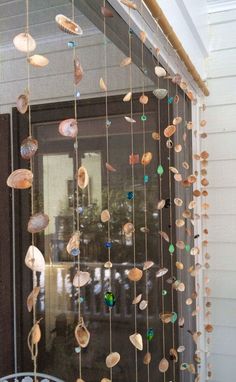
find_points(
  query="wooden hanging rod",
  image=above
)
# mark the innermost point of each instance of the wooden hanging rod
(167, 29)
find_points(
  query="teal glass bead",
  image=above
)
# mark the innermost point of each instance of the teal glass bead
(109, 299)
(171, 248)
(164, 292)
(173, 317)
(160, 170)
(187, 247)
(130, 195)
(143, 118)
(72, 44)
(145, 178)
(170, 100)
(183, 366)
(81, 299)
(78, 349)
(150, 334)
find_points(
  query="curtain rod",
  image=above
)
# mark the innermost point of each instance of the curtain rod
(167, 29)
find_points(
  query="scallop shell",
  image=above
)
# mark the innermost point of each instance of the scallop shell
(38, 61)
(128, 228)
(127, 97)
(179, 223)
(159, 71)
(68, 128)
(34, 259)
(129, 4)
(37, 222)
(82, 178)
(178, 148)
(32, 298)
(143, 99)
(102, 85)
(20, 179)
(147, 265)
(125, 62)
(169, 131)
(24, 42)
(160, 93)
(135, 274)
(74, 242)
(105, 216)
(177, 120)
(78, 71)
(110, 168)
(178, 202)
(22, 103)
(146, 158)
(163, 365)
(106, 12)
(137, 341)
(28, 148)
(155, 136)
(112, 359)
(108, 265)
(137, 299)
(147, 358)
(68, 26)
(143, 304)
(82, 334)
(81, 279)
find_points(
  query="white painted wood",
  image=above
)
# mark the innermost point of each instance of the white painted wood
(220, 5)
(220, 39)
(226, 347)
(222, 201)
(223, 312)
(225, 144)
(221, 17)
(221, 118)
(220, 64)
(222, 173)
(223, 284)
(223, 364)
(223, 228)
(223, 91)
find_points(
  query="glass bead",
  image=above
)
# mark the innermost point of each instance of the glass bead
(78, 349)
(130, 195)
(81, 299)
(150, 334)
(143, 118)
(171, 248)
(75, 252)
(78, 94)
(183, 366)
(187, 247)
(145, 178)
(173, 317)
(160, 170)
(79, 210)
(170, 100)
(108, 244)
(131, 31)
(72, 44)
(109, 299)
(108, 123)
(164, 292)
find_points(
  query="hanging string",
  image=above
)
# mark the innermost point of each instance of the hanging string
(108, 176)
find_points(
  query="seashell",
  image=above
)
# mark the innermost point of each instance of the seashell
(185, 183)
(161, 204)
(125, 62)
(147, 358)
(143, 99)
(81, 279)
(184, 137)
(105, 380)
(147, 265)
(34, 259)
(146, 158)
(179, 223)
(173, 355)
(161, 272)
(112, 359)
(178, 148)
(180, 349)
(68, 128)
(204, 155)
(102, 85)
(180, 244)
(203, 123)
(110, 168)
(130, 120)
(209, 328)
(68, 26)
(106, 12)
(108, 265)
(128, 228)
(159, 71)
(178, 177)
(204, 182)
(203, 135)
(74, 242)
(181, 322)
(143, 304)
(181, 287)
(22, 103)
(32, 298)
(28, 148)
(82, 178)
(37, 222)
(38, 61)
(163, 365)
(189, 301)
(155, 136)
(189, 125)
(160, 93)
(185, 165)
(133, 159)
(135, 274)
(177, 120)
(176, 99)
(143, 36)
(79, 380)
(34, 335)
(173, 169)
(178, 202)
(169, 144)
(186, 214)
(127, 97)
(78, 71)
(20, 179)
(164, 236)
(169, 131)
(129, 4)
(105, 216)
(196, 193)
(137, 299)
(179, 265)
(82, 334)
(24, 42)
(177, 78)
(137, 341)
(192, 179)
(183, 85)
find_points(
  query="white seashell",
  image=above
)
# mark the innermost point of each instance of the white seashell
(34, 259)
(81, 279)
(127, 97)
(137, 341)
(102, 85)
(67, 25)
(38, 61)
(161, 272)
(160, 93)
(24, 42)
(130, 120)
(108, 264)
(147, 265)
(143, 304)
(159, 71)
(112, 359)
(137, 299)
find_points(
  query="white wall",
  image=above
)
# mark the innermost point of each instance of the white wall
(221, 143)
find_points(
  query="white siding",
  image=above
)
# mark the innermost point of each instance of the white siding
(221, 114)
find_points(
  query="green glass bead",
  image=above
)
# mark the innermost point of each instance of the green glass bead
(183, 366)
(173, 317)
(143, 118)
(171, 248)
(160, 170)
(109, 299)
(150, 334)
(187, 247)
(164, 292)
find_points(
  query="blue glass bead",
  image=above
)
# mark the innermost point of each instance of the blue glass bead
(130, 195)
(146, 178)
(150, 334)
(170, 100)
(75, 252)
(109, 299)
(143, 118)
(78, 349)
(108, 244)
(72, 44)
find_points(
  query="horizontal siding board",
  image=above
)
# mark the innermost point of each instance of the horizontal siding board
(221, 146)
(223, 342)
(222, 201)
(222, 36)
(222, 173)
(223, 91)
(220, 118)
(222, 64)
(223, 283)
(222, 17)
(223, 367)
(222, 229)
(223, 312)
